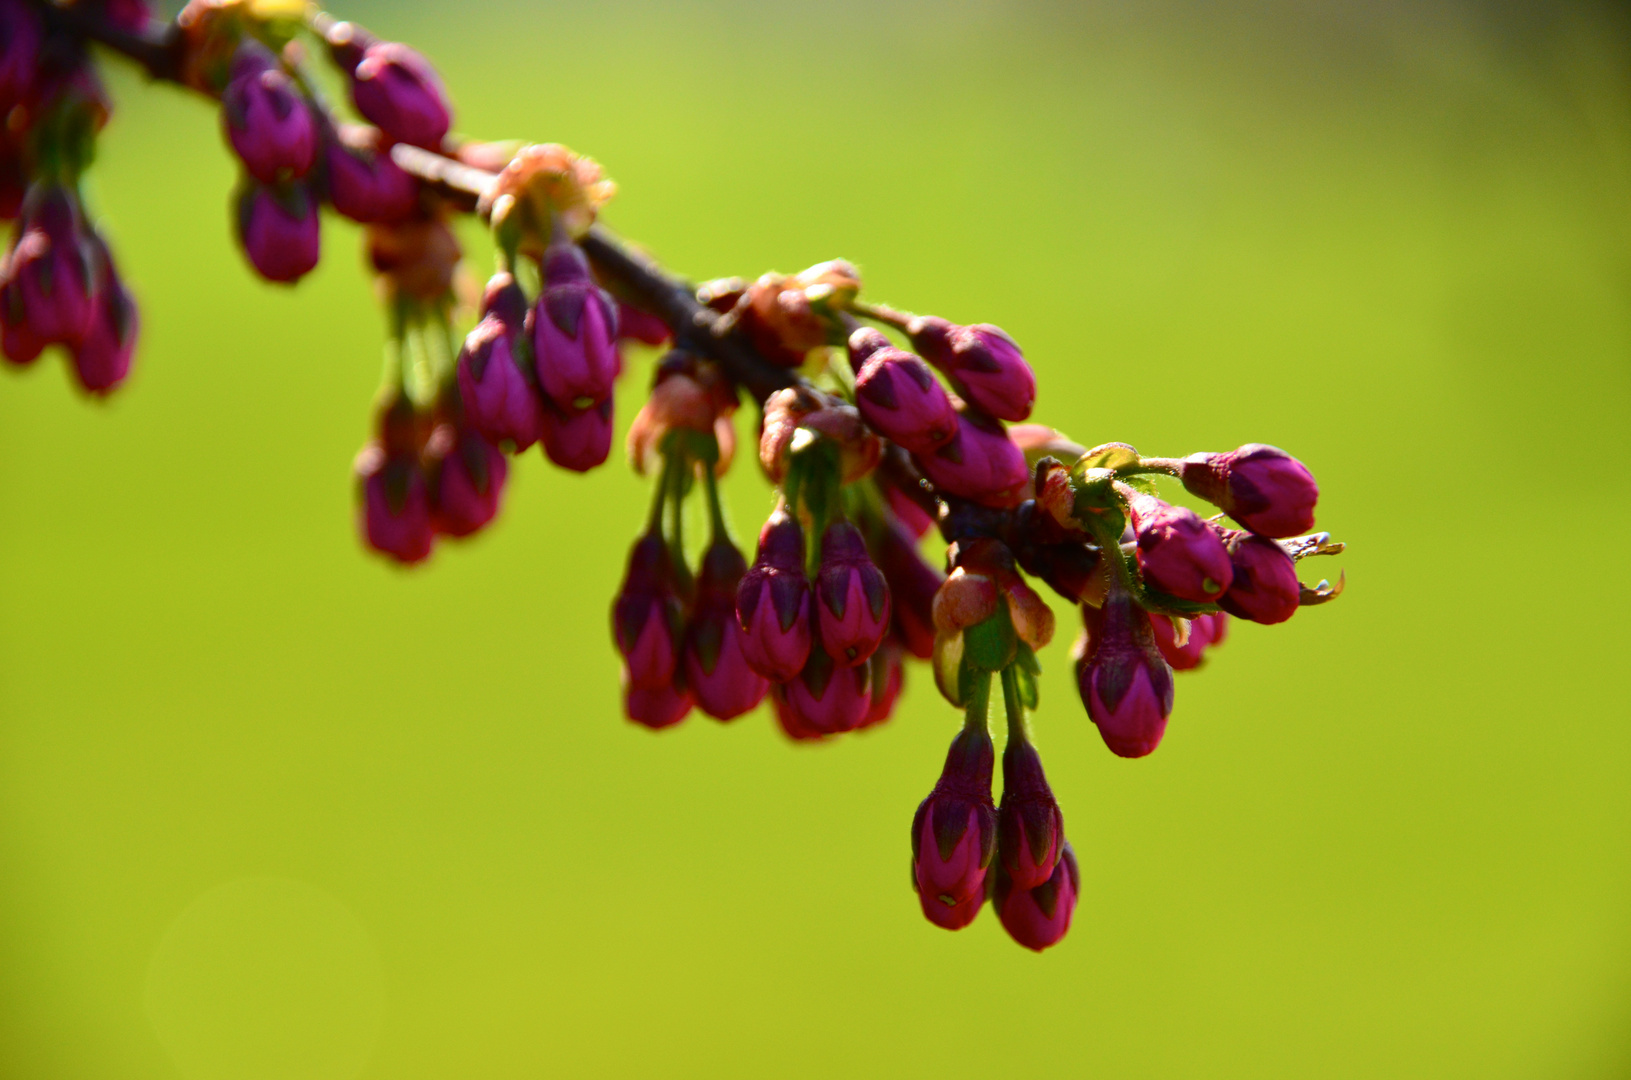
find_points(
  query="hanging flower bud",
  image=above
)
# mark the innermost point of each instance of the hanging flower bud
(577, 439)
(467, 475)
(656, 709)
(888, 676)
(1265, 588)
(954, 833)
(1205, 631)
(988, 368)
(720, 679)
(827, 698)
(1030, 826)
(394, 496)
(773, 602)
(1262, 487)
(898, 395)
(852, 596)
(646, 616)
(48, 282)
(1124, 682)
(397, 91)
(20, 36)
(364, 183)
(979, 463)
(913, 585)
(499, 399)
(102, 360)
(1038, 918)
(1178, 553)
(266, 118)
(279, 230)
(788, 719)
(638, 324)
(574, 332)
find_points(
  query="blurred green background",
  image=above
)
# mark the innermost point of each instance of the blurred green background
(272, 809)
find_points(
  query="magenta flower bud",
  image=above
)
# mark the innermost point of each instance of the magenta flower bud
(1262, 487)
(954, 833)
(20, 36)
(898, 395)
(395, 516)
(47, 286)
(792, 725)
(468, 483)
(1038, 918)
(657, 708)
(773, 602)
(267, 120)
(577, 439)
(1030, 826)
(131, 15)
(499, 399)
(365, 185)
(913, 517)
(397, 91)
(721, 681)
(888, 676)
(638, 324)
(829, 699)
(1265, 588)
(646, 619)
(979, 463)
(574, 332)
(1205, 632)
(280, 231)
(1123, 680)
(1178, 553)
(990, 372)
(102, 359)
(913, 585)
(852, 598)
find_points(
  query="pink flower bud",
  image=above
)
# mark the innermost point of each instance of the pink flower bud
(47, 285)
(1265, 588)
(280, 231)
(1178, 553)
(638, 324)
(577, 439)
(988, 368)
(829, 699)
(499, 399)
(1262, 487)
(467, 479)
(852, 598)
(888, 676)
(720, 679)
(1038, 918)
(574, 332)
(102, 359)
(20, 38)
(1030, 826)
(913, 585)
(267, 120)
(1124, 682)
(657, 708)
(954, 833)
(397, 91)
(646, 616)
(395, 504)
(898, 395)
(912, 517)
(979, 463)
(364, 183)
(1205, 631)
(773, 602)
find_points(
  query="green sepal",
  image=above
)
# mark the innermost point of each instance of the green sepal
(1026, 669)
(989, 646)
(1112, 456)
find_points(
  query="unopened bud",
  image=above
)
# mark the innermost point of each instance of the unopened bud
(364, 183)
(577, 439)
(852, 596)
(646, 616)
(1262, 487)
(773, 603)
(988, 368)
(1178, 553)
(279, 230)
(1124, 682)
(1205, 632)
(979, 463)
(829, 699)
(467, 475)
(574, 332)
(721, 681)
(1039, 918)
(267, 120)
(397, 90)
(954, 834)
(899, 396)
(1265, 588)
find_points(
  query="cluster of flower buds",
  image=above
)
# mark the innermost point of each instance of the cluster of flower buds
(876, 427)
(58, 281)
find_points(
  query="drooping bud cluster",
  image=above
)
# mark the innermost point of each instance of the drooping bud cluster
(876, 427)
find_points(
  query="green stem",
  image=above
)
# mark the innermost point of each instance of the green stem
(716, 506)
(1160, 466)
(977, 710)
(900, 320)
(654, 519)
(1013, 706)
